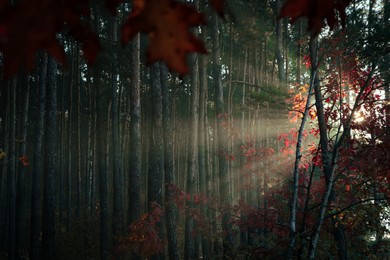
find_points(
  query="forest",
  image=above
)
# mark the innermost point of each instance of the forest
(202, 129)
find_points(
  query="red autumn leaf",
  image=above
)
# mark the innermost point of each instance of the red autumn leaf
(167, 24)
(250, 152)
(286, 142)
(32, 25)
(316, 11)
(24, 160)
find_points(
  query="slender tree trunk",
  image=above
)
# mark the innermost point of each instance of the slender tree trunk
(21, 200)
(50, 166)
(156, 168)
(279, 44)
(36, 191)
(101, 149)
(11, 167)
(135, 132)
(299, 51)
(69, 201)
(193, 171)
(169, 167)
(221, 135)
(202, 136)
(77, 145)
(116, 145)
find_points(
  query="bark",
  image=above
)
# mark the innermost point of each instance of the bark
(135, 132)
(102, 166)
(77, 146)
(156, 161)
(21, 200)
(36, 191)
(11, 168)
(49, 185)
(192, 173)
(116, 153)
(220, 134)
(299, 51)
(169, 167)
(202, 136)
(279, 44)
(69, 186)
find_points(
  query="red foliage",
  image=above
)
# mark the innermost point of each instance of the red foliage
(316, 11)
(32, 25)
(144, 235)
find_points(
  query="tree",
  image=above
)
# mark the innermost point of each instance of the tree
(193, 163)
(21, 199)
(169, 166)
(117, 160)
(36, 196)
(50, 166)
(156, 168)
(135, 133)
(11, 168)
(220, 134)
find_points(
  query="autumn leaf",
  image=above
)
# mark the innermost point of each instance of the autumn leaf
(167, 24)
(316, 11)
(24, 160)
(32, 25)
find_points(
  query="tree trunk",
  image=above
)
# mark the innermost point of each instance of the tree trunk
(116, 153)
(156, 168)
(36, 191)
(202, 136)
(192, 173)
(11, 167)
(221, 135)
(21, 200)
(135, 132)
(279, 43)
(169, 167)
(50, 166)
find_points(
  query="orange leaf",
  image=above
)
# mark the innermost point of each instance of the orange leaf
(167, 24)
